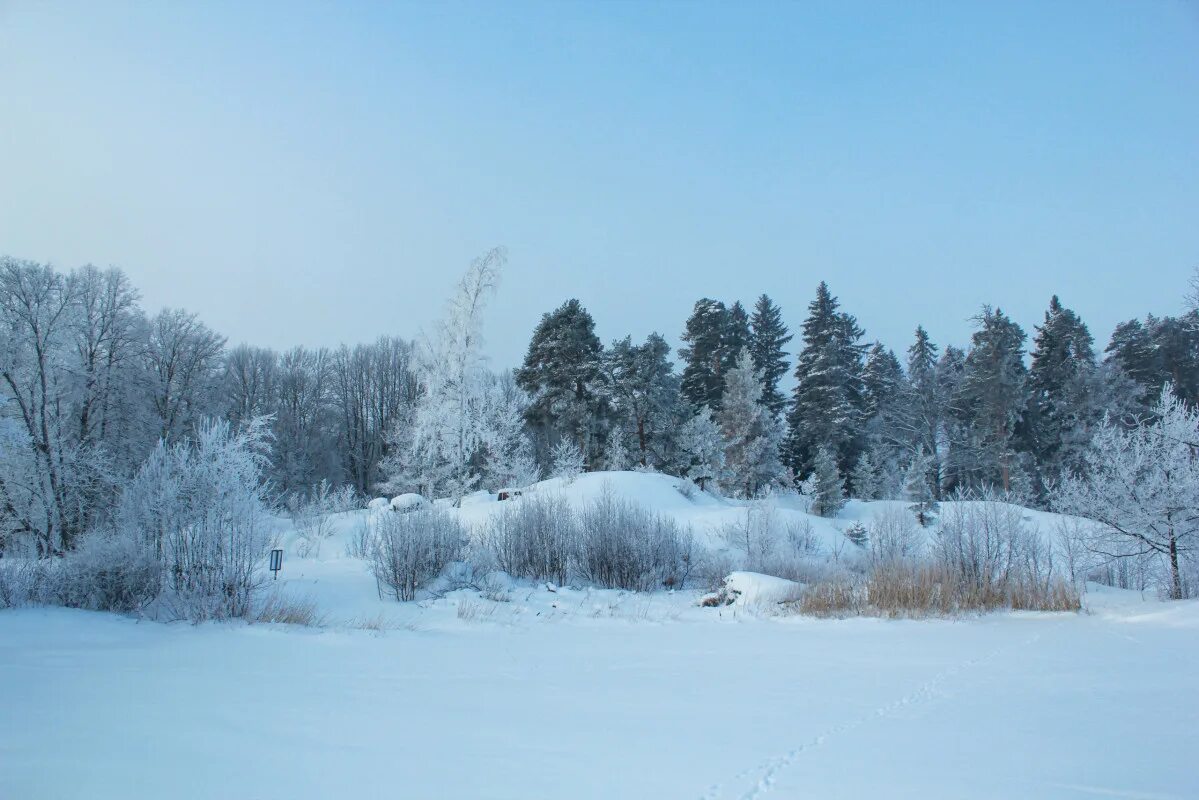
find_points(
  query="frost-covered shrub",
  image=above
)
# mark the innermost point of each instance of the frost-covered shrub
(23, 581)
(410, 550)
(533, 538)
(108, 572)
(311, 514)
(894, 535)
(756, 535)
(623, 546)
(200, 509)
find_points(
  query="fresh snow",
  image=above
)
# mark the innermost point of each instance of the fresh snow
(528, 691)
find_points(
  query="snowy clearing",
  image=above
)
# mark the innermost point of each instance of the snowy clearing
(528, 690)
(664, 702)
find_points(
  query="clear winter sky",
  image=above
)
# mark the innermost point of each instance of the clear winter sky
(316, 173)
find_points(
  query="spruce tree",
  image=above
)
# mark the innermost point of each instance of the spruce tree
(918, 488)
(829, 491)
(751, 434)
(701, 449)
(735, 338)
(923, 409)
(866, 480)
(991, 399)
(702, 354)
(1061, 381)
(644, 395)
(826, 409)
(768, 335)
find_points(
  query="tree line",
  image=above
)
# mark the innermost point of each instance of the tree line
(91, 384)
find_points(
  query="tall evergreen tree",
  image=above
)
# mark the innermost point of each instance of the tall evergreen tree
(990, 401)
(644, 392)
(735, 338)
(563, 373)
(826, 409)
(1061, 384)
(1158, 351)
(829, 495)
(924, 404)
(751, 433)
(767, 338)
(702, 354)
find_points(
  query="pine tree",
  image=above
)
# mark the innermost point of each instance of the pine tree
(701, 447)
(704, 338)
(768, 335)
(751, 434)
(735, 338)
(829, 494)
(563, 373)
(1061, 383)
(644, 395)
(826, 409)
(990, 401)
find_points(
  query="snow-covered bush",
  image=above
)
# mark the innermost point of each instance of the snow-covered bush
(623, 546)
(756, 534)
(533, 538)
(894, 535)
(107, 572)
(200, 509)
(22, 581)
(311, 515)
(407, 551)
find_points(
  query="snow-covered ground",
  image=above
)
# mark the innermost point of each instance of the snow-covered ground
(569, 692)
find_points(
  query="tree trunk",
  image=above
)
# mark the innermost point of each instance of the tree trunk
(1175, 575)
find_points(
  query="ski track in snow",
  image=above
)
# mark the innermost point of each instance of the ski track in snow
(768, 771)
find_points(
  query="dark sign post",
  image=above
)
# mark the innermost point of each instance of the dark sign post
(276, 562)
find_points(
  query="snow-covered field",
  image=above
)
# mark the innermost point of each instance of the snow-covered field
(598, 694)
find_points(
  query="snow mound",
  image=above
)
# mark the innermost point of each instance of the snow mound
(407, 502)
(378, 504)
(753, 588)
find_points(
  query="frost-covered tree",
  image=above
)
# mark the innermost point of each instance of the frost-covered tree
(1140, 486)
(508, 450)
(643, 392)
(751, 434)
(918, 487)
(768, 336)
(448, 428)
(182, 361)
(374, 392)
(55, 470)
(568, 460)
(828, 496)
(702, 354)
(866, 478)
(701, 448)
(826, 409)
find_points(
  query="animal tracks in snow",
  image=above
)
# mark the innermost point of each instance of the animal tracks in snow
(766, 774)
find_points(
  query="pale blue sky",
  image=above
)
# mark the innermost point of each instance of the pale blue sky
(318, 173)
